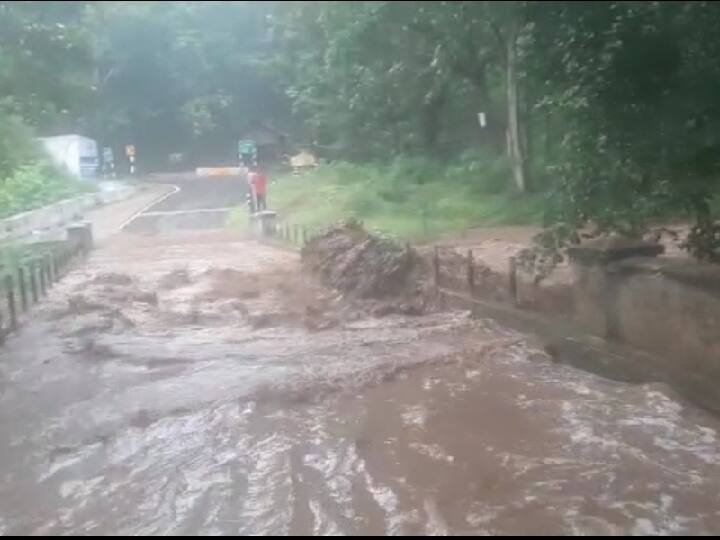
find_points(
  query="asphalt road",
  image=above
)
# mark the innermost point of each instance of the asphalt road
(200, 203)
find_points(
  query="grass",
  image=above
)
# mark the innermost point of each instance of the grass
(414, 199)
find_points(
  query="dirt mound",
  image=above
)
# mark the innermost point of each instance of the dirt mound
(361, 264)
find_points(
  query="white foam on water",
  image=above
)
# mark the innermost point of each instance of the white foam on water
(268, 505)
(644, 527)
(435, 524)
(322, 524)
(433, 451)
(387, 501)
(415, 416)
(73, 458)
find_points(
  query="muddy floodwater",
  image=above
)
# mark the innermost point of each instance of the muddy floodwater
(204, 385)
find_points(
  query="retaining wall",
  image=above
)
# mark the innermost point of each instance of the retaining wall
(58, 214)
(667, 306)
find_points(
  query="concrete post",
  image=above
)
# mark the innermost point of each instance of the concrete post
(11, 302)
(81, 235)
(264, 223)
(512, 280)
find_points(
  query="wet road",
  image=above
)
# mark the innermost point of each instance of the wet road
(197, 204)
(190, 381)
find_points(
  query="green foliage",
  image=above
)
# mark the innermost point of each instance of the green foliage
(484, 172)
(380, 79)
(16, 146)
(415, 198)
(612, 106)
(181, 77)
(35, 185)
(633, 84)
(44, 61)
(44, 81)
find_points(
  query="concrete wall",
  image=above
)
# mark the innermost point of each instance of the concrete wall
(669, 307)
(57, 214)
(666, 306)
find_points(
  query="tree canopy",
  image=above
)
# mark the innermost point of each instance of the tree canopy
(609, 107)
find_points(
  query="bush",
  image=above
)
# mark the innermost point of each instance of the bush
(27, 179)
(35, 185)
(486, 173)
(413, 197)
(16, 145)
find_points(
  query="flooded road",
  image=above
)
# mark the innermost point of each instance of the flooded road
(196, 383)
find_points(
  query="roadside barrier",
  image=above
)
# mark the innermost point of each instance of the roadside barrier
(28, 280)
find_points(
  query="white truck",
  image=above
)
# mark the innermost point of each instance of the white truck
(78, 155)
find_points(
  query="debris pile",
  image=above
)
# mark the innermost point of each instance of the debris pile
(360, 264)
(381, 275)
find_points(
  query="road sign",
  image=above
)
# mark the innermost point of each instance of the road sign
(246, 147)
(247, 152)
(130, 150)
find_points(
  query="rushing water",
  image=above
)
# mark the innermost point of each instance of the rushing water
(194, 388)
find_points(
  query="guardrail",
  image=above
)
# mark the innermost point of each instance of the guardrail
(28, 281)
(469, 283)
(290, 233)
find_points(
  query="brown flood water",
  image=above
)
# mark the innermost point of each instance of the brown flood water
(205, 386)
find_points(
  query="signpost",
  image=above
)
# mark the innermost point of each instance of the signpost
(247, 153)
(130, 153)
(108, 162)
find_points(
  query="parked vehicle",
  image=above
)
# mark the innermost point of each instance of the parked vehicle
(78, 155)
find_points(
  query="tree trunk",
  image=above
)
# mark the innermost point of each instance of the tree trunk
(431, 117)
(515, 151)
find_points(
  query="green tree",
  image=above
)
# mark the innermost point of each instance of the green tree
(634, 86)
(180, 76)
(36, 38)
(374, 76)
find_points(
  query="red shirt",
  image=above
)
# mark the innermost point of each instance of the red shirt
(257, 181)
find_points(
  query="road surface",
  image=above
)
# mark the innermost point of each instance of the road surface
(188, 381)
(198, 204)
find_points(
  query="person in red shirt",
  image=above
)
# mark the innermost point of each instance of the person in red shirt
(258, 183)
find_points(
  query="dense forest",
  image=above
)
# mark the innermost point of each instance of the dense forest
(608, 108)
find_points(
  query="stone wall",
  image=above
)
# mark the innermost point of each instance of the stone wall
(667, 306)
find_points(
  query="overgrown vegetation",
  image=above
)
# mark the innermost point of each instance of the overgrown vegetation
(35, 185)
(41, 62)
(613, 101)
(415, 198)
(27, 179)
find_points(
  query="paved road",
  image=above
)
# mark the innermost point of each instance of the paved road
(201, 203)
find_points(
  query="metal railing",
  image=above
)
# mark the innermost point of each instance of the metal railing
(469, 282)
(294, 234)
(29, 280)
